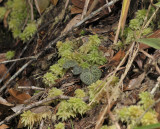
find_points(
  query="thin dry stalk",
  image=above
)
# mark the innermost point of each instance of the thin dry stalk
(20, 59)
(85, 8)
(133, 54)
(156, 86)
(149, 21)
(109, 9)
(14, 76)
(114, 120)
(30, 2)
(95, 2)
(122, 21)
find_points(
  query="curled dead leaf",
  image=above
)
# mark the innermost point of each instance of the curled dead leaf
(74, 21)
(4, 126)
(20, 97)
(54, 2)
(117, 58)
(41, 5)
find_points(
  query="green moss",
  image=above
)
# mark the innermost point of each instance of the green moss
(3, 11)
(19, 14)
(132, 113)
(10, 54)
(71, 108)
(94, 89)
(79, 93)
(75, 58)
(108, 127)
(135, 26)
(49, 78)
(146, 99)
(29, 118)
(149, 118)
(54, 92)
(57, 70)
(29, 30)
(60, 126)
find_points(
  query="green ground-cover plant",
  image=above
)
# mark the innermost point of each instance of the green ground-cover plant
(134, 29)
(131, 113)
(67, 109)
(29, 118)
(60, 126)
(19, 16)
(71, 108)
(83, 61)
(10, 54)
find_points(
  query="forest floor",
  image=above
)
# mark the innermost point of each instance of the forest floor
(120, 87)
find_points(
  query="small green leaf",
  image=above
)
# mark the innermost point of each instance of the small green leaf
(152, 126)
(153, 42)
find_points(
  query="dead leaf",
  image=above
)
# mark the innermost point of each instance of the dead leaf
(54, 2)
(143, 46)
(75, 10)
(18, 107)
(3, 68)
(2, 57)
(117, 58)
(136, 82)
(74, 21)
(4, 102)
(41, 5)
(4, 126)
(20, 97)
(20, 124)
(139, 62)
(80, 3)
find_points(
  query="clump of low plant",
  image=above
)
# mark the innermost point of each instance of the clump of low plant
(134, 29)
(83, 61)
(54, 92)
(19, 14)
(3, 11)
(97, 91)
(132, 113)
(71, 108)
(60, 126)
(108, 127)
(10, 54)
(79, 93)
(29, 118)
